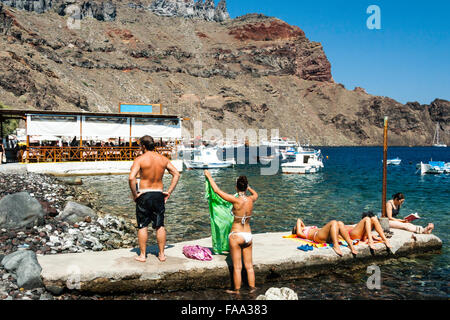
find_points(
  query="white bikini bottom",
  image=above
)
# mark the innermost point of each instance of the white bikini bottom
(247, 236)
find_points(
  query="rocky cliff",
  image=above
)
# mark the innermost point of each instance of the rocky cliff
(250, 72)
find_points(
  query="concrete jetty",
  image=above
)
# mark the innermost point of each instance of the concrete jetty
(275, 258)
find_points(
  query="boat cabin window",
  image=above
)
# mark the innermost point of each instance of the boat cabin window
(305, 159)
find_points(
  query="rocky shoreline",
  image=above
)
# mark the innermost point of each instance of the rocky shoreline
(60, 230)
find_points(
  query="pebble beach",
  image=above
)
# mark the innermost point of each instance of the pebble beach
(55, 236)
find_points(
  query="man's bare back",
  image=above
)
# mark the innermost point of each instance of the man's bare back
(152, 167)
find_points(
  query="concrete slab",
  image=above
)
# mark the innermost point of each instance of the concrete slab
(274, 257)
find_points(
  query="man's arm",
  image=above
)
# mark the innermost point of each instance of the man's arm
(175, 177)
(135, 168)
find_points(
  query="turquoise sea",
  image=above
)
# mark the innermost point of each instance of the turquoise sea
(350, 183)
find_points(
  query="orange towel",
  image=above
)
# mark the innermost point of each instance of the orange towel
(316, 244)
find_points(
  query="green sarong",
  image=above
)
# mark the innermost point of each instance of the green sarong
(221, 219)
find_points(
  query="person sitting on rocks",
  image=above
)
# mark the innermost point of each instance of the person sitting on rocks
(328, 233)
(393, 209)
(363, 230)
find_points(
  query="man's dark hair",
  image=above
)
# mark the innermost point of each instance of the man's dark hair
(148, 143)
(242, 183)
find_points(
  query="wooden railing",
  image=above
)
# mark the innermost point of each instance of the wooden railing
(66, 154)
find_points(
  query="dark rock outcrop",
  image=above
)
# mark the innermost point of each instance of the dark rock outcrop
(75, 212)
(25, 266)
(20, 210)
(38, 6)
(102, 11)
(188, 9)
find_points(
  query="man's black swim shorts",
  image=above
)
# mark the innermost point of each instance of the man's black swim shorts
(150, 208)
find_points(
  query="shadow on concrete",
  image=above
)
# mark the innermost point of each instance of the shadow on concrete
(154, 250)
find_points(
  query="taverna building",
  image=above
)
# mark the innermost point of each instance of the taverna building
(71, 143)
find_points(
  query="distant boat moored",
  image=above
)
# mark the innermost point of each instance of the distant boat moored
(206, 158)
(302, 161)
(395, 161)
(434, 167)
(436, 142)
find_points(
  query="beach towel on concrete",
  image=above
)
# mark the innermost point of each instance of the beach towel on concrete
(316, 244)
(221, 219)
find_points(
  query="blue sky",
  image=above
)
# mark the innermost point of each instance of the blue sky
(408, 59)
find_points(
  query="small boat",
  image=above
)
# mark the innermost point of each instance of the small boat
(436, 142)
(395, 161)
(206, 158)
(302, 161)
(434, 167)
(280, 144)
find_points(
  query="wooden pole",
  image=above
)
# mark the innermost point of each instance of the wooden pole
(385, 147)
(81, 138)
(131, 156)
(28, 140)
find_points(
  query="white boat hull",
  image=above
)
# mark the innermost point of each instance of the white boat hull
(203, 165)
(394, 162)
(300, 169)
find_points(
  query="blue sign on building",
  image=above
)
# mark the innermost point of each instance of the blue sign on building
(140, 108)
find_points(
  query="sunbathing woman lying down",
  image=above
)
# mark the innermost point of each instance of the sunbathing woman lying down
(363, 230)
(328, 233)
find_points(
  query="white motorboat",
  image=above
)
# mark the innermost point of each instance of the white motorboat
(434, 167)
(280, 144)
(436, 142)
(206, 158)
(302, 161)
(395, 161)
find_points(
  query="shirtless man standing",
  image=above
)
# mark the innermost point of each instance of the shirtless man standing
(150, 201)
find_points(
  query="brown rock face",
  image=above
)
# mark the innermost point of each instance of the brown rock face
(267, 31)
(249, 72)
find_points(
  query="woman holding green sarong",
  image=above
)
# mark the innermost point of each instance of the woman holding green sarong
(240, 238)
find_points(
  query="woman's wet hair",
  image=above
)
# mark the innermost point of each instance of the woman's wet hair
(369, 214)
(242, 183)
(398, 196)
(294, 230)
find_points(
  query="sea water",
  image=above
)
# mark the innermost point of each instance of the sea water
(349, 184)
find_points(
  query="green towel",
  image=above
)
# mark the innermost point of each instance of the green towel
(221, 219)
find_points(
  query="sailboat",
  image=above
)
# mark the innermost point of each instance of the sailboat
(436, 142)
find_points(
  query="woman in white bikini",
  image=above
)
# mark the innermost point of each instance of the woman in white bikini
(241, 235)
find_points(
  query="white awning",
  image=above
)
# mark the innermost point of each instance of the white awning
(106, 127)
(53, 125)
(156, 128)
(102, 127)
